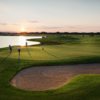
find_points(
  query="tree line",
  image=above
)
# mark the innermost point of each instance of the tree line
(49, 33)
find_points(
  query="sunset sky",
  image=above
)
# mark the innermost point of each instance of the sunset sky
(50, 15)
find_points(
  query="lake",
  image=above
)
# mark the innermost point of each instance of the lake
(5, 41)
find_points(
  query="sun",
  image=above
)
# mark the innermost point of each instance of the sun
(22, 29)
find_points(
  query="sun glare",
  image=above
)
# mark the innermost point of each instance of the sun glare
(22, 40)
(23, 29)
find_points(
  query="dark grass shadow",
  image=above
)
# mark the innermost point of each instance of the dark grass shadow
(49, 53)
(4, 59)
(28, 51)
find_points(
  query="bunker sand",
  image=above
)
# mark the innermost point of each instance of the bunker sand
(51, 77)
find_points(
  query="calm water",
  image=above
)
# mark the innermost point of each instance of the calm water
(5, 41)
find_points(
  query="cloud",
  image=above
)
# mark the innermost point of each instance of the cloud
(14, 24)
(7, 24)
(82, 28)
(74, 26)
(51, 27)
(33, 21)
(3, 24)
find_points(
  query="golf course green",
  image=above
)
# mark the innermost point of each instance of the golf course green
(53, 50)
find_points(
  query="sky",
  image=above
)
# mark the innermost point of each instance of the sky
(50, 15)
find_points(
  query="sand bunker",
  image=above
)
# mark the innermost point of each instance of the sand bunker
(51, 77)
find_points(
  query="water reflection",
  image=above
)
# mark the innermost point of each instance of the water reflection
(5, 41)
(22, 40)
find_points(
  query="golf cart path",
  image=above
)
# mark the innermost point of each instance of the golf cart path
(51, 77)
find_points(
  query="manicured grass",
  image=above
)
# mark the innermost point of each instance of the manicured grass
(71, 50)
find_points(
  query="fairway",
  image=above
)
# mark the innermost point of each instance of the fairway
(55, 50)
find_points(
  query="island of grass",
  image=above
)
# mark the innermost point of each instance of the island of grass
(63, 51)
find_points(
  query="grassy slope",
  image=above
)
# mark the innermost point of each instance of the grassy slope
(83, 87)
